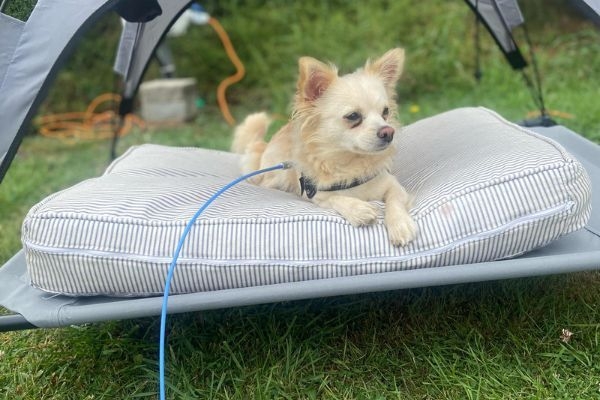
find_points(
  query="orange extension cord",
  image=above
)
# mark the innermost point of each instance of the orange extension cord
(239, 74)
(93, 124)
(90, 124)
(552, 113)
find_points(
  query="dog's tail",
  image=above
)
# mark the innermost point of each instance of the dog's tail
(249, 132)
(249, 139)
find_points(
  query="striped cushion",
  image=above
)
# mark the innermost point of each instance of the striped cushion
(485, 189)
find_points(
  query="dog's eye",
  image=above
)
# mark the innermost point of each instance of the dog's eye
(354, 117)
(386, 113)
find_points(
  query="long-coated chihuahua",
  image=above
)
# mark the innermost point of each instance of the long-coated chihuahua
(340, 141)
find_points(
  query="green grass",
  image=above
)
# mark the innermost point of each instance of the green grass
(495, 340)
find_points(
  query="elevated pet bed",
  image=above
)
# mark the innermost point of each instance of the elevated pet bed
(485, 190)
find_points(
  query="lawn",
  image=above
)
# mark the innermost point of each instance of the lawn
(493, 340)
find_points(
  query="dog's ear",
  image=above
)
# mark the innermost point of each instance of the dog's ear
(314, 78)
(389, 66)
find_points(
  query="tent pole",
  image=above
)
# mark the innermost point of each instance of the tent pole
(536, 89)
(477, 73)
(536, 71)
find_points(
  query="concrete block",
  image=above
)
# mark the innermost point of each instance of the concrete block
(172, 100)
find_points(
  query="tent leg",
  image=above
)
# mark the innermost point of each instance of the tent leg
(14, 322)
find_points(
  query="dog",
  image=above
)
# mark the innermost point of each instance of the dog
(340, 141)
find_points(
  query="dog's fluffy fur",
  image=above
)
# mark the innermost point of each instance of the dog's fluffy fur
(341, 129)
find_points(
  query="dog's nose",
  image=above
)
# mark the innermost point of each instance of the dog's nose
(386, 133)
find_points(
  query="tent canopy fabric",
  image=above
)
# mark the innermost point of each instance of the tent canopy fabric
(32, 52)
(137, 44)
(590, 9)
(500, 18)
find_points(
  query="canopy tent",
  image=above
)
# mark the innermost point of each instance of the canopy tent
(500, 18)
(31, 54)
(137, 45)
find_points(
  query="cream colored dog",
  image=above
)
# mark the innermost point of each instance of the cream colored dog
(340, 142)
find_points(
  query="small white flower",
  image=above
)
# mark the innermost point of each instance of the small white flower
(565, 336)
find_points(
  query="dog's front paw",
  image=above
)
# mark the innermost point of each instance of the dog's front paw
(361, 213)
(402, 231)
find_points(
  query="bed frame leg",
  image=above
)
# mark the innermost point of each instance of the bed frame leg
(14, 322)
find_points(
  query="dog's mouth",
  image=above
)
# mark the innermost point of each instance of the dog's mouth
(375, 148)
(383, 144)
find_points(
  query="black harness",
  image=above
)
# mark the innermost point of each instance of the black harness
(308, 185)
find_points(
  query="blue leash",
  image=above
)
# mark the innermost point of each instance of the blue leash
(163, 314)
